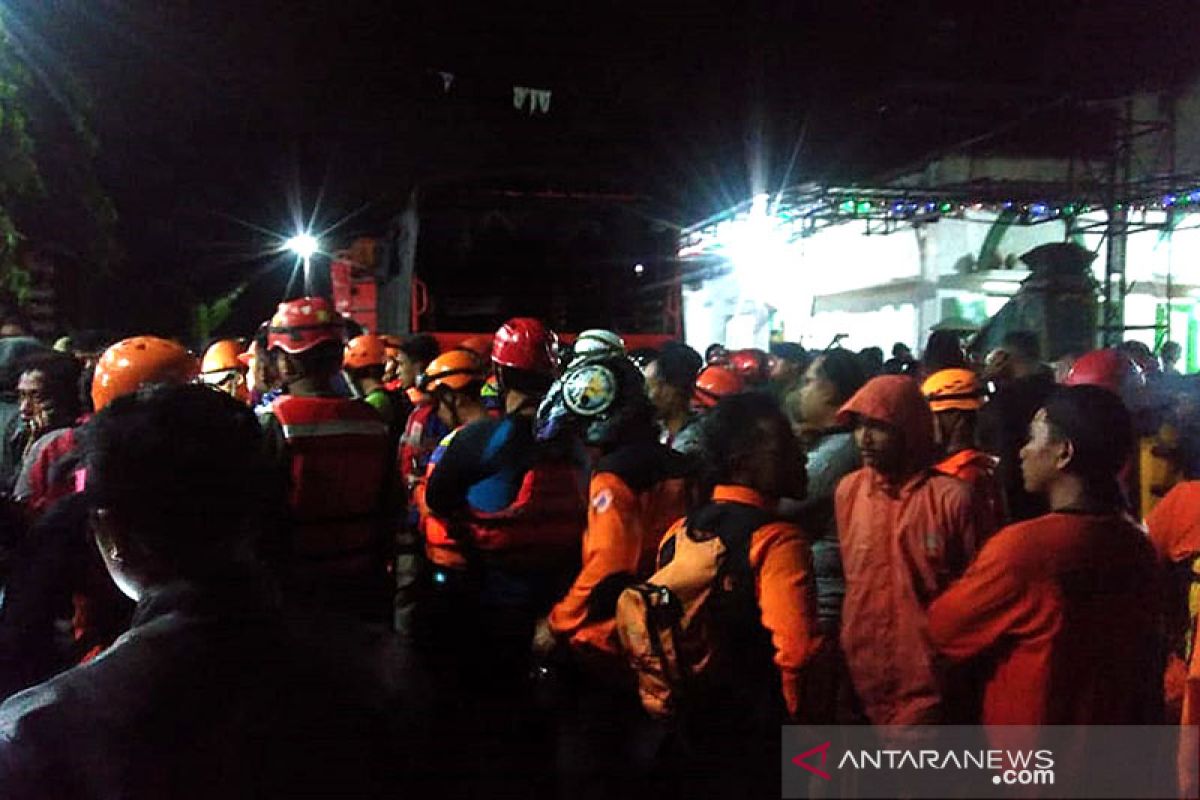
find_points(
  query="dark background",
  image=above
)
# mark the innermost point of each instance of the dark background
(218, 120)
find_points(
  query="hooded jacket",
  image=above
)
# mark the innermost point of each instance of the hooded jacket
(902, 544)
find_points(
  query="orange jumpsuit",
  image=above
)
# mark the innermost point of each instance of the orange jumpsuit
(978, 469)
(901, 547)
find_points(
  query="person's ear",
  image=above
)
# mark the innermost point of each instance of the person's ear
(110, 536)
(1066, 454)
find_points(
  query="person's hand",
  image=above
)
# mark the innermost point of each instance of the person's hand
(543, 638)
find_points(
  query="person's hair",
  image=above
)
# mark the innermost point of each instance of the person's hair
(871, 360)
(943, 350)
(712, 350)
(259, 339)
(900, 347)
(735, 428)
(1024, 344)
(1171, 350)
(61, 374)
(352, 327)
(373, 371)
(790, 351)
(844, 370)
(678, 366)
(322, 360)
(421, 348)
(183, 468)
(535, 384)
(1099, 428)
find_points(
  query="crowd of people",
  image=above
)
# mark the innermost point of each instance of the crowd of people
(327, 562)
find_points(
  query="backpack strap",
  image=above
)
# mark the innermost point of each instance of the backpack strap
(734, 523)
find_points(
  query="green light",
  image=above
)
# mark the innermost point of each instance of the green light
(863, 207)
(944, 207)
(846, 207)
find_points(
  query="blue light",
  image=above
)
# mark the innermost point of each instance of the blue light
(439, 577)
(1194, 197)
(1170, 200)
(1038, 209)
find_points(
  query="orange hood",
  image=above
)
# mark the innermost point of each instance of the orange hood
(896, 400)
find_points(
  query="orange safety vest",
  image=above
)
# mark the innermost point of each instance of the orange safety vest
(541, 527)
(339, 460)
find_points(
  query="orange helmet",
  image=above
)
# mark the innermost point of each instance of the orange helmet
(367, 350)
(454, 370)
(131, 363)
(954, 389)
(713, 383)
(222, 356)
(300, 325)
(479, 345)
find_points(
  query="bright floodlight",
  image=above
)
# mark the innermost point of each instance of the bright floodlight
(303, 245)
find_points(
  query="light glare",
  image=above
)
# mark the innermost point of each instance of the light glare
(303, 245)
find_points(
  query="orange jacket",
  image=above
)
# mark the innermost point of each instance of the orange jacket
(901, 547)
(782, 564)
(978, 469)
(624, 529)
(1175, 533)
(1063, 607)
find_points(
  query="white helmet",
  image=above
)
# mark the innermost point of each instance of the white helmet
(596, 343)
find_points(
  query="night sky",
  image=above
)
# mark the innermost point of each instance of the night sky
(209, 112)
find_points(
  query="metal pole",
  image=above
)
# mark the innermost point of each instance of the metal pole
(308, 288)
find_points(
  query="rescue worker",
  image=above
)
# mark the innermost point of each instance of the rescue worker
(955, 397)
(1061, 611)
(906, 532)
(336, 546)
(1022, 384)
(454, 380)
(209, 658)
(670, 381)
(261, 380)
(413, 357)
(422, 430)
(364, 361)
(767, 641)
(222, 369)
(48, 397)
(638, 488)
(515, 507)
(1175, 533)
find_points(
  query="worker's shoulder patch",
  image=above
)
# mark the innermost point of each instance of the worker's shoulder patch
(445, 442)
(602, 500)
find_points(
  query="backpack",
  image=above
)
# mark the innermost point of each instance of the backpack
(677, 628)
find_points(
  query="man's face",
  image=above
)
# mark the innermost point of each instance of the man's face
(816, 395)
(663, 396)
(35, 405)
(407, 370)
(782, 370)
(1043, 457)
(880, 444)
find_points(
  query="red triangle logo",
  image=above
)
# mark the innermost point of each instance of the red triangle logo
(823, 749)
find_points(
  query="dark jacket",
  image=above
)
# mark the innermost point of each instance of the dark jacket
(209, 694)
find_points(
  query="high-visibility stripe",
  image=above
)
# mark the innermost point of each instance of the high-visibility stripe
(341, 427)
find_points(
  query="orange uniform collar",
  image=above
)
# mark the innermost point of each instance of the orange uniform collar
(744, 495)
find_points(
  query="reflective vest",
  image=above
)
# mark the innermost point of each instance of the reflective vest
(339, 462)
(541, 528)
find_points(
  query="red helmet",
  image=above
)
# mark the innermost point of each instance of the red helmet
(525, 343)
(751, 365)
(300, 325)
(713, 383)
(1112, 369)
